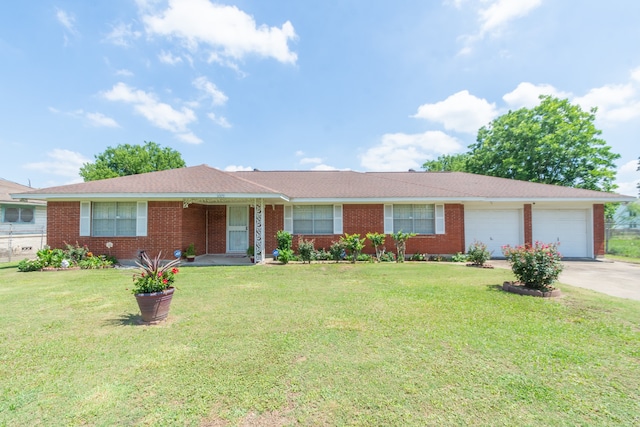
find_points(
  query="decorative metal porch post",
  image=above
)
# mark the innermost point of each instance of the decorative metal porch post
(258, 218)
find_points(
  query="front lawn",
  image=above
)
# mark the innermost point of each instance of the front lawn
(368, 344)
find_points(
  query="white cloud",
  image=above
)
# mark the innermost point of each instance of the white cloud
(94, 119)
(61, 162)
(160, 114)
(527, 95)
(494, 18)
(461, 112)
(225, 30)
(189, 138)
(310, 160)
(627, 178)
(400, 151)
(217, 96)
(67, 20)
(100, 120)
(323, 167)
(122, 35)
(635, 74)
(124, 72)
(501, 12)
(169, 58)
(299, 153)
(220, 121)
(238, 168)
(616, 103)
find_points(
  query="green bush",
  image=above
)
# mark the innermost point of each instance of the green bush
(459, 257)
(30, 265)
(285, 255)
(354, 244)
(321, 255)
(387, 256)
(536, 266)
(478, 253)
(284, 239)
(305, 249)
(337, 250)
(95, 262)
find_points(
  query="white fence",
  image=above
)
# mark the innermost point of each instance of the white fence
(19, 243)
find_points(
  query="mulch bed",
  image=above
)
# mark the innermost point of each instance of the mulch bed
(470, 264)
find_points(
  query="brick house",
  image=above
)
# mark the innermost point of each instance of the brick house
(226, 212)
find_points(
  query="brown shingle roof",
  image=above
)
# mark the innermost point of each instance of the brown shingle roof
(9, 187)
(205, 181)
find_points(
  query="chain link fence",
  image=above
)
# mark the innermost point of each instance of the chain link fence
(17, 243)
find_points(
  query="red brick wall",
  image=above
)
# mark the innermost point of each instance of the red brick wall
(528, 225)
(598, 230)
(163, 233)
(194, 228)
(363, 219)
(217, 229)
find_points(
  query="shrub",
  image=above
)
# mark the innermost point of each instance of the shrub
(536, 266)
(337, 250)
(459, 257)
(305, 249)
(401, 243)
(51, 257)
(478, 253)
(285, 255)
(354, 244)
(94, 262)
(365, 258)
(29, 265)
(75, 253)
(321, 255)
(377, 240)
(284, 239)
(387, 256)
(418, 257)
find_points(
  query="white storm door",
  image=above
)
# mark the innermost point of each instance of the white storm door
(237, 228)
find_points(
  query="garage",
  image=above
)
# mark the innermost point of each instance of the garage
(569, 227)
(494, 228)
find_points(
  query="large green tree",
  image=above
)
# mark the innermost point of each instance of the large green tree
(555, 142)
(447, 162)
(128, 159)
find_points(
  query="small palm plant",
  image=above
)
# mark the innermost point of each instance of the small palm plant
(154, 276)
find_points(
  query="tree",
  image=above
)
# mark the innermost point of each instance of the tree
(447, 162)
(553, 143)
(128, 159)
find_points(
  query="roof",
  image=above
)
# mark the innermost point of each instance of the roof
(9, 187)
(308, 186)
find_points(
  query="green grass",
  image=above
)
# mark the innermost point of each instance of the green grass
(376, 344)
(624, 248)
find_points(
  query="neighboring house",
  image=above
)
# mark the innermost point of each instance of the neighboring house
(225, 212)
(626, 217)
(23, 223)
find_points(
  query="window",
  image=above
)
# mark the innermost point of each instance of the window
(316, 219)
(15, 214)
(112, 219)
(419, 219)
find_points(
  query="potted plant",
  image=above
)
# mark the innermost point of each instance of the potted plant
(153, 287)
(190, 253)
(251, 253)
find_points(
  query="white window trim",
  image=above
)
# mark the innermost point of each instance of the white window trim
(142, 219)
(439, 219)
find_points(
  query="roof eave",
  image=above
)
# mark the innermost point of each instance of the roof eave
(149, 196)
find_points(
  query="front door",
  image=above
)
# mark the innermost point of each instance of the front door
(237, 228)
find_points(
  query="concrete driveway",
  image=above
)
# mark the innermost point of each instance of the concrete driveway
(619, 279)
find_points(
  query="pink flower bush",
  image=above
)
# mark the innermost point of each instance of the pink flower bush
(537, 266)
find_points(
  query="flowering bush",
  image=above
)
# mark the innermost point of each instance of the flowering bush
(154, 276)
(536, 266)
(478, 253)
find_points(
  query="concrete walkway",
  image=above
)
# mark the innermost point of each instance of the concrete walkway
(619, 279)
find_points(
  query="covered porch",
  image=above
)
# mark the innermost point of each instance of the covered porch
(223, 229)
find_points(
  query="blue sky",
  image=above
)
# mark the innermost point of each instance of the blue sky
(301, 85)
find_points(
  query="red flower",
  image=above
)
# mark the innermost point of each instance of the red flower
(165, 281)
(174, 270)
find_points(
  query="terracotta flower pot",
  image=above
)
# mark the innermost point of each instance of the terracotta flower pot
(154, 306)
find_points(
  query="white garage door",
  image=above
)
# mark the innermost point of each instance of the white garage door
(566, 226)
(494, 228)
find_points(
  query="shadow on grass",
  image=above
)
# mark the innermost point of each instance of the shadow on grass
(494, 288)
(128, 319)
